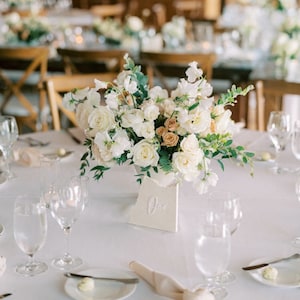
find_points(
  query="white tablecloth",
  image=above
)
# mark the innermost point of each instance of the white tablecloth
(103, 238)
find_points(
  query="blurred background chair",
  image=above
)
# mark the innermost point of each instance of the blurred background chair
(91, 61)
(22, 72)
(58, 85)
(109, 10)
(270, 96)
(163, 66)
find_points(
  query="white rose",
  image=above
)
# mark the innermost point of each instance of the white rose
(145, 154)
(151, 111)
(168, 107)
(186, 164)
(104, 142)
(101, 119)
(99, 159)
(145, 129)
(83, 111)
(131, 118)
(111, 100)
(190, 144)
(158, 92)
(193, 73)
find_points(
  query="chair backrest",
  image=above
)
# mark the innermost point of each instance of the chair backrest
(269, 97)
(60, 84)
(27, 61)
(189, 8)
(108, 10)
(167, 64)
(91, 60)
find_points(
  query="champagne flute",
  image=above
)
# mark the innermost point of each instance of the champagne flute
(66, 205)
(212, 251)
(279, 132)
(30, 230)
(8, 136)
(227, 204)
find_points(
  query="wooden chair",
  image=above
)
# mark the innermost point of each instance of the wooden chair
(269, 97)
(59, 84)
(21, 67)
(173, 64)
(108, 10)
(191, 9)
(91, 61)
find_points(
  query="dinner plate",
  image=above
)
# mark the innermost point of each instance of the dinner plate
(104, 289)
(288, 273)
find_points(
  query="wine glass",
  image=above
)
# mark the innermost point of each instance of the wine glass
(212, 251)
(8, 136)
(66, 205)
(295, 143)
(30, 230)
(227, 204)
(296, 241)
(279, 132)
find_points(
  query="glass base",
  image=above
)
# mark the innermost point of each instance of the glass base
(296, 242)
(32, 268)
(226, 278)
(219, 292)
(66, 264)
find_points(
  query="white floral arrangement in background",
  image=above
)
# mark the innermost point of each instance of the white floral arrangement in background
(176, 134)
(24, 30)
(174, 31)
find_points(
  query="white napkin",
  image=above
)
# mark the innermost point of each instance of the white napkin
(168, 287)
(28, 157)
(2, 265)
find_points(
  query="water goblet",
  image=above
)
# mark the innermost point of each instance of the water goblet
(278, 128)
(212, 251)
(8, 136)
(228, 205)
(66, 205)
(30, 230)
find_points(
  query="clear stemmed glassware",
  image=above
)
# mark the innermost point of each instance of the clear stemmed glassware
(66, 205)
(30, 230)
(295, 142)
(8, 135)
(279, 132)
(296, 241)
(227, 204)
(212, 251)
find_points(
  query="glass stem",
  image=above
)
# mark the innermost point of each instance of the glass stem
(6, 157)
(67, 257)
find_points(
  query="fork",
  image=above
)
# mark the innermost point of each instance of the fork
(34, 142)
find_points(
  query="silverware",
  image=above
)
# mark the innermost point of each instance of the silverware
(32, 142)
(5, 295)
(123, 280)
(261, 265)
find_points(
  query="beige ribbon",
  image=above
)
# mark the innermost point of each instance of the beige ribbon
(168, 287)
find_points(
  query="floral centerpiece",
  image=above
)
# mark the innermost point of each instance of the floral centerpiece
(29, 30)
(176, 134)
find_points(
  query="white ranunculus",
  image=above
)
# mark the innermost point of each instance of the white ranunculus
(157, 93)
(186, 164)
(101, 119)
(193, 73)
(151, 111)
(132, 117)
(168, 106)
(145, 129)
(223, 121)
(145, 154)
(196, 121)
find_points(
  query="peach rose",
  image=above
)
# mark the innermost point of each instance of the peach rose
(170, 139)
(171, 124)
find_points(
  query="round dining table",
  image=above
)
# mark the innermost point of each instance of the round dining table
(104, 239)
